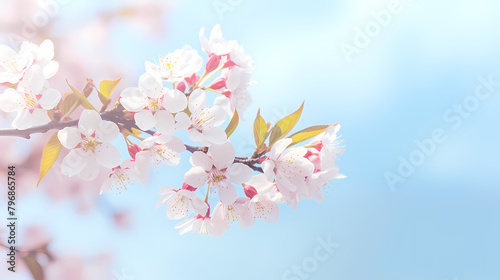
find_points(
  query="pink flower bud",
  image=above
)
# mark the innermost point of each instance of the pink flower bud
(133, 150)
(229, 63)
(250, 191)
(188, 187)
(181, 86)
(218, 83)
(212, 63)
(226, 93)
(192, 80)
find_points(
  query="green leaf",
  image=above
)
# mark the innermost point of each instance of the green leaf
(307, 133)
(107, 87)
(50, 154)
(284, 126)
(232, 124)
(83, 100)
(259, 130)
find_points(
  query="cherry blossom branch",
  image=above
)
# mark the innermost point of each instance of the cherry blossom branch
(115, 115)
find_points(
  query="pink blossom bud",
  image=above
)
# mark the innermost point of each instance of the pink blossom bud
(226, 93)
(218, 83)
(188, 187)
(212, 63)
(181, 86)
(319, 146)
(250, 191)
(192, 80)
(229, 63)
(133, 150)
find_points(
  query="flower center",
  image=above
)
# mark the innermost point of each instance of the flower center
(169, 62)
(89, 144)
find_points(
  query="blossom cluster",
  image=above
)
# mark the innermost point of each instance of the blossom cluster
(171, 96)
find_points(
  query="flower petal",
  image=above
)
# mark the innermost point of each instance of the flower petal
(133, 99)
(107, 155)
(196, 177)
(90, 171)
(165, 122)
(50, 98)
(73, 163)
(11, 100)
(109, 130)
(183, 121)
(145, 119)
(197, 101)
(69, 137)
(223, 155)
(89, 122)
(23, 120)
(200, 159)
(215, 135)
(175, 101)
(268, 168)
(50, 69)
(239, 173)
(227, 192)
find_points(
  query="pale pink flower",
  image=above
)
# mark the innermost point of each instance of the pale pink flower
(217, 168)
(30, 100)
(158, 149)
(13, 65)
(202, 225)
(90, 146)
(203, 124)
(122, 176)
(153, 104)
(181, 201)
(236, 96)
(43, 55)
(288, 167)
(260, 206)
(176, 66)
(237, 211)
(215, 44)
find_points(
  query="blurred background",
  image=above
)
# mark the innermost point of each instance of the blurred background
(391, 72)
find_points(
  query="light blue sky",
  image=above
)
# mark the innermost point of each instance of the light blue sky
(440, 223)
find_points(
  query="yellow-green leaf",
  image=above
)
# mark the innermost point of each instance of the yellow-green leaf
(50, 154)
(68, 102)
(107, 87)
(259, 130)
(308, 133)
(232, 124)
(284, 126)
(83, 100)
(136, 131)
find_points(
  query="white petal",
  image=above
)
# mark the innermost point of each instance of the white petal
(39, 117)
(50, 69)
(268, 168)
(145, 119)
(142, 165)
(202, 160)
(109, 130)
(165, 122)
(175, 101)
(215, 135)
(89, 122)
(227, 192)
(196, 177)
(107, 155)
(69, 137)
(133, 99)
(46, 50)
(10, 100)
(90, 171)
(173, 142)
(150, 83)
(223, 155)
(183, 121)
(33, 81)
(279, 147)
(73, 163)
(239, 173)
(197, 101)
(196, 136)
(23, 120)
(49, 99)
